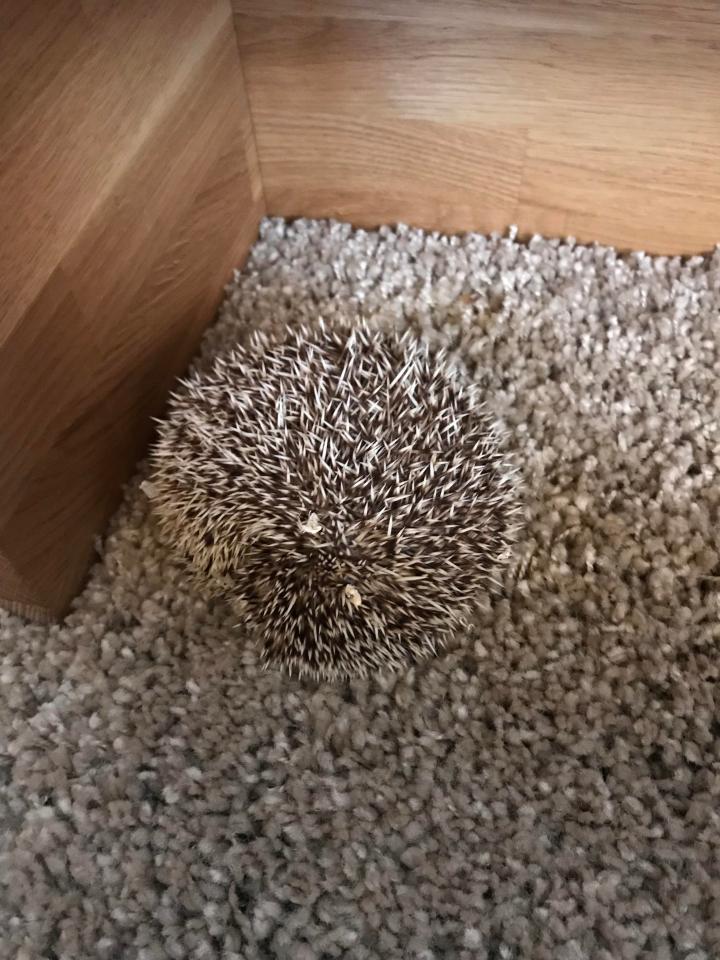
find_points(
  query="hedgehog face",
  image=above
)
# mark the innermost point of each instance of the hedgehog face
(345, 490)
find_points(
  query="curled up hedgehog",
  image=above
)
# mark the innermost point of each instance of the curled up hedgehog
(344, 489)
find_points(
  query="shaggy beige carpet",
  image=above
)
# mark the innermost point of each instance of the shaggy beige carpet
(549, 788)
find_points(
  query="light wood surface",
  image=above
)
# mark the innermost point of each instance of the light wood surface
(130, 185)
(596, 118)
(129, 189)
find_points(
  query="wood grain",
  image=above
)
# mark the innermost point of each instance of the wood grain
(130, 185)
(587, 117)
(129, 189)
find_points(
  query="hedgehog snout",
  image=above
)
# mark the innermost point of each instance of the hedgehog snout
(352, 595)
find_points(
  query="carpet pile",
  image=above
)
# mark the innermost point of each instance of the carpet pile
(548, 788)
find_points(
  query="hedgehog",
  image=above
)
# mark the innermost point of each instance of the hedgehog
(344, 488)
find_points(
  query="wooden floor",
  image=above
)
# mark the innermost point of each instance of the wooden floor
(129, 189)
(597, 118)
